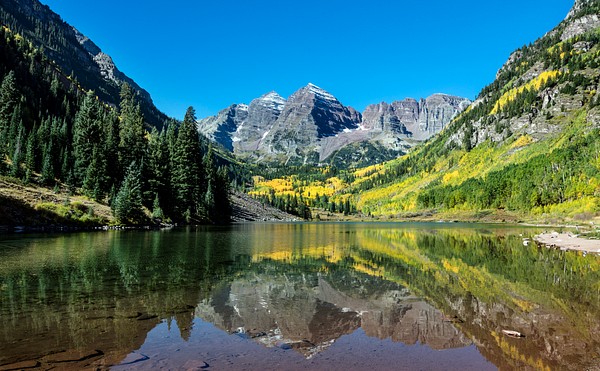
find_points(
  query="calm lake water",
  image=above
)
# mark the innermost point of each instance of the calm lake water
(298, 296)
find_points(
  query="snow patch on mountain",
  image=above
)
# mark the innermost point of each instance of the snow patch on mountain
(320, 93)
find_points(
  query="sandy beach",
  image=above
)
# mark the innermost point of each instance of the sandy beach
(569, 241)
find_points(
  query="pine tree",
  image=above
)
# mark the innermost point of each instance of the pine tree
(132, 134)
(114, 172)
(30, 157)
(9, 98)
(92, 182)
(186, 178)
(222, 203)
(86, 135)
(47, 176)
(158, 164)
(467, 138)
(16, 124)
(17, 157)
(157, 212)
(127, 205)
(209, 202)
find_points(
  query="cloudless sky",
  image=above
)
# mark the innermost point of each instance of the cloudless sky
(212, 53)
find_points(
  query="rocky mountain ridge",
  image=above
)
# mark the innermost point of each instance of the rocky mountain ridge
(74, 53)
(312, 126)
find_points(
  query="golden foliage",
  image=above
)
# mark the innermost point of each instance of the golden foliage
(522, 141)
(535, 83)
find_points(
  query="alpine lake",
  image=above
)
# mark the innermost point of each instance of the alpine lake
(330, 296)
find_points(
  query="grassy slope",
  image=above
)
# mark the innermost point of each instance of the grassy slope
(400, 198)
(29, 205)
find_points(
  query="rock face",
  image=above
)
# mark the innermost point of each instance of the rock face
(309, 115)
(411, 119)
(312, 126)
(578, 7)
(581, 19)
(579, 26)
(263, 112)
(219, 128)
(74, 52)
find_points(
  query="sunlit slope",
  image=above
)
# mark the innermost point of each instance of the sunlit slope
(528, 147)
(529, 144)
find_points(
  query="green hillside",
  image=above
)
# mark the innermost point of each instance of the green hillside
(527, 149)
(529, 145)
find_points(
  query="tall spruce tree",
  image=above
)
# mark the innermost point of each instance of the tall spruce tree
(9, 98)
(18, 154)
(47, 175)
(127, 204)
(187, 175)
(158, 165)
(132, 134)
(86, 135)
(114, 172)
(217, 206)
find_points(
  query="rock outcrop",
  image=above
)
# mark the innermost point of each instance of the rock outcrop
(414, 119)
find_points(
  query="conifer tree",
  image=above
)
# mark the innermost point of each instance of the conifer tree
(158, 164)
(47, 175)
(157, 212)
(86, 135)
(132, 133)
(30, 157)
(186, 172)
(222, 201)
(216, 198)
(93, 182)
(16, 124)
(114, 172)
(9, 98)
(17, 157)
(127, 204)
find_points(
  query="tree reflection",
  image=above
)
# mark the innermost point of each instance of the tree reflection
(301, 284)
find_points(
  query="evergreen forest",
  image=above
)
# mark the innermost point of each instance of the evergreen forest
(56, 135)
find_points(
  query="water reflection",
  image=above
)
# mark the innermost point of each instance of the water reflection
(93, 299)
(309, 311)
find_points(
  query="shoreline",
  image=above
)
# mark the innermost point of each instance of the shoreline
(568, 242)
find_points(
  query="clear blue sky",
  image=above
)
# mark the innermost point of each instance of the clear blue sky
(210, 54)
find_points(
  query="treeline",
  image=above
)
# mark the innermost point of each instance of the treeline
(293, 205)
(343, 207)
(54, 135)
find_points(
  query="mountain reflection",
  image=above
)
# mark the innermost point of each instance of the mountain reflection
(91, 299)
(309, 311)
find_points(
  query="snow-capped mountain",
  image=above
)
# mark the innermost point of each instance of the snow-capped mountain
(312, 126)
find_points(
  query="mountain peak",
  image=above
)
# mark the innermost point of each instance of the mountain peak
(318, 92)
(272, 100)
(272, 96)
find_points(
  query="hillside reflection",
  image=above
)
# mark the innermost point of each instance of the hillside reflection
(90, 299)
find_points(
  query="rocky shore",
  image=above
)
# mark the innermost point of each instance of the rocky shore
(569, 241)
